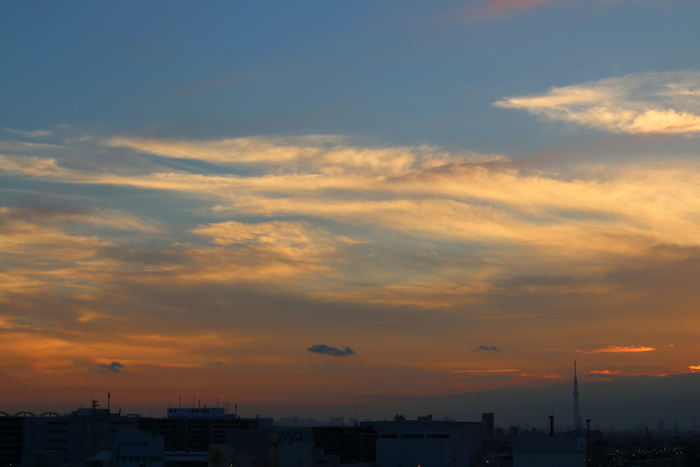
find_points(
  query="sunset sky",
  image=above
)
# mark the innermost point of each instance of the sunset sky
(344, 203)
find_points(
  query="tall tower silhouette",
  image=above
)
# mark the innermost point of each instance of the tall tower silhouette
(577, 417)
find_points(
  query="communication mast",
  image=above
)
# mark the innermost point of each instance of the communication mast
(577, 417)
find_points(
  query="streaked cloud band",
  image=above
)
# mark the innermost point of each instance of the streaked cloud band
(643, 103)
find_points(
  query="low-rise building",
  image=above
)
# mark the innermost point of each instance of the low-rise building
(134, 448)
(78, 436)
(426, 449)
(549, 451)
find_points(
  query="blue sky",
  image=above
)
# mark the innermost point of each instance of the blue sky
(226, 185)
(392, 72)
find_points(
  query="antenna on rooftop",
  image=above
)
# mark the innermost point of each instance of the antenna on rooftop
(551, 425)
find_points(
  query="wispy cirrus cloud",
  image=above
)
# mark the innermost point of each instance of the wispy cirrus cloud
(53, 214)
(292, 239)
(619, 349)
(498, 6)
(28, 134)
(310, 154)
(622, 374)
(429, 195)
(325, 222)
(479, 201)
(641, 103)
(499, 9)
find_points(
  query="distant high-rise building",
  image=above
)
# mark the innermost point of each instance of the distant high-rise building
(487, 420)
(661, 425)
(577, 418)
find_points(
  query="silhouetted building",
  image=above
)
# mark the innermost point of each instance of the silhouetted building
(598, 452)
(198, 433)
(196, 412)
(473, 430)
(426, 448)
(288, 446)
(173, 431)
(549, 451)
(86, 432)
(78, 436)
(230, 456)
(132, 448)
(692, 455)
(354, 444)
(11, 433)
(487, 420)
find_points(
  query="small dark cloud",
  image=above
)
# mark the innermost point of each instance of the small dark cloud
(114, 367)
(2, 374)
(486, 348)
(218, 363)
(333, 351)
